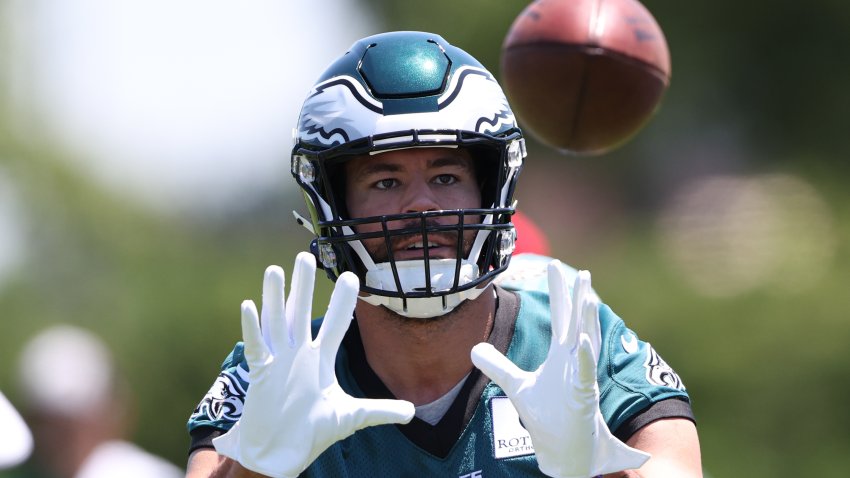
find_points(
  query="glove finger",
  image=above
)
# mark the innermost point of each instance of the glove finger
(339, 314)
(560, 302)
(371, 412)
(580, 287)
(256, 351)
(586, 364)
(272, 315)
(337, 320)
(499, 368)
(299, 304)
(591, 326)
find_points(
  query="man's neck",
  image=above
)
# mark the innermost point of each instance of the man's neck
(421, 359)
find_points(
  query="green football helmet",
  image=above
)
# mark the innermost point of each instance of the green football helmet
(407, 90)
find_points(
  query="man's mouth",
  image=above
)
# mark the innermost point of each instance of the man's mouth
(412, 247)
(420, 245)
(416, 250)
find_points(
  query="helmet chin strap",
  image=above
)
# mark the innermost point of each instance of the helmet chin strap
(412, 278)
(411, 275)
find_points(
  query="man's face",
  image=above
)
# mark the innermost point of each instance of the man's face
(412, 180)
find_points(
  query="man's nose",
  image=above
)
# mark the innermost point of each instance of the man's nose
(419, 197)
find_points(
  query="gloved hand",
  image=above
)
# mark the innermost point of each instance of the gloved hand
(295, 408)
(559, 402)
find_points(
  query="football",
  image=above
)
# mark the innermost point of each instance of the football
(584, 76)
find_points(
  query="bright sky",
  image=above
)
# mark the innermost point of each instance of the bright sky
(186, 104)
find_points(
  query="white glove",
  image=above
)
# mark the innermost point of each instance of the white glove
(559, 402)
(16, 439)
(295, 408)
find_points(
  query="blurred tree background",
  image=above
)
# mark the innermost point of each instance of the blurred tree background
(720, 233)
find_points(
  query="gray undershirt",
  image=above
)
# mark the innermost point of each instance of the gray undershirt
(433, 412)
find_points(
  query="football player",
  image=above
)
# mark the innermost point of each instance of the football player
(438, 355)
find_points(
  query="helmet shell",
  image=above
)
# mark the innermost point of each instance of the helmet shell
(403, 90)
(401, 81)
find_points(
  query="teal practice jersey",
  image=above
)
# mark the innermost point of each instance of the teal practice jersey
(491, 441)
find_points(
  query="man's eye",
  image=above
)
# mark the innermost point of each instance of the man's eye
(385, 183)
(445, 179)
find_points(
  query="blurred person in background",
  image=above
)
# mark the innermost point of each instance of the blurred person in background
(438, 354)
(79, 410)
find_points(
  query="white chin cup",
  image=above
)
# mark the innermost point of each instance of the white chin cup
(411, 275)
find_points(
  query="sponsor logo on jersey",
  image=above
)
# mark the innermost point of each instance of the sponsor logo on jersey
(659, 373)
(223, 401)
(510, 438)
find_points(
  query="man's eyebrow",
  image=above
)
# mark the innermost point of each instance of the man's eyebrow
(376, 167)
(380, 167)
(458, 161)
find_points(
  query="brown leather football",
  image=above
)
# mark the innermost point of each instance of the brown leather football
(583, 76)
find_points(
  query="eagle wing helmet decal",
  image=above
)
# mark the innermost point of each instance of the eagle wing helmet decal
(337, 111)
(340, 110)
(480, 88)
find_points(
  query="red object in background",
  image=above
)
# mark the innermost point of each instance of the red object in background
(530, 238)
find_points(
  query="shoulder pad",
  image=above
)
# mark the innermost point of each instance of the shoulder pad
(528, 272)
